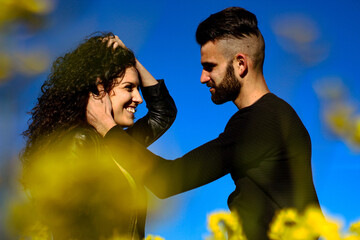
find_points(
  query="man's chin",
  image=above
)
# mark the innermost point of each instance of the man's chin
(218, 101)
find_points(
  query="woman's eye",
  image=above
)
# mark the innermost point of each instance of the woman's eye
(129, 88)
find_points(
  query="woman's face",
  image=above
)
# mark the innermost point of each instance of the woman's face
(125, 97)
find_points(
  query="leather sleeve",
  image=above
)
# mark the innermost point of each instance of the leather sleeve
(161, 114)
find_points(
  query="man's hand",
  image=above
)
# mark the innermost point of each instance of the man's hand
(98, 112)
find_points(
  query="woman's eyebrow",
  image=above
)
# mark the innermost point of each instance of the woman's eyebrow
(131, 83)
(123, 83)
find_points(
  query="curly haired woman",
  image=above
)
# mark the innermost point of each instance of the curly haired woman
(78, 188)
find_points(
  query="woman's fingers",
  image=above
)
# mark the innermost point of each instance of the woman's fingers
(121, 44)
(114, 41)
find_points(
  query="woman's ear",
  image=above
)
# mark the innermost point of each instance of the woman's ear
(241, 64)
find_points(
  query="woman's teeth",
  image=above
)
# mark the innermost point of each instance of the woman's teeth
(130, 109)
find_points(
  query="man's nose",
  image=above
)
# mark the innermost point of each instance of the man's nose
(205, 77)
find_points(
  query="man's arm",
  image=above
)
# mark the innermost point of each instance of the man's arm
(169, 177)
(164, 177)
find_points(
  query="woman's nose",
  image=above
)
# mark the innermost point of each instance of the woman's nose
(137, 97)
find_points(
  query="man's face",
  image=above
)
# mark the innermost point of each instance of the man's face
(218, 74)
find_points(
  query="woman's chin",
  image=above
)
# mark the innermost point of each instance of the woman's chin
(125, 124)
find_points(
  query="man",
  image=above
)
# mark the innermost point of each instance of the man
(265, 147)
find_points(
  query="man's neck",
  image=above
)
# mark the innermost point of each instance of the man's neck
(251, 91)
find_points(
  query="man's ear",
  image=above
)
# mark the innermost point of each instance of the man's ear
(241, 61)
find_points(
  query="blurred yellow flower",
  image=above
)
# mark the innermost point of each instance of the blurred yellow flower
(289, 224)
(38, 6)
(15, 10)
(354, 231)
(352, 238)
(340, 114)
(38, 231)
(342, 121)
(355, 228)
(5, 67)
(81, 196)
(338, 118)
(299, 34)
(116, 236)
(152, 237)
(32, 63)
(284, 223)
(356, 134)
(225, 225)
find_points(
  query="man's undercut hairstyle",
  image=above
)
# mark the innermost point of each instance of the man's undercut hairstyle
(234, 23)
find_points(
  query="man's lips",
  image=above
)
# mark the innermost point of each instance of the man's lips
(211, 86)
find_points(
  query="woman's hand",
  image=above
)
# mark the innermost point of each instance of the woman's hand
(114, 41)
(146, 78)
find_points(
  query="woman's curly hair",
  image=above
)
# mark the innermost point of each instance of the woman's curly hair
(64, 95)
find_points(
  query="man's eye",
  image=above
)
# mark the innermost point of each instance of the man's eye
(208, 68)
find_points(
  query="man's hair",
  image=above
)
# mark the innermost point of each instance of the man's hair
(234, 24)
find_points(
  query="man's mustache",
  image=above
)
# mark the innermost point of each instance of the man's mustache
(210, 84)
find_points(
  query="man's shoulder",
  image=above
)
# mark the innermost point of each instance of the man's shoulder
(271, 105)
(269, 110)
(270, 100)
(267, 102)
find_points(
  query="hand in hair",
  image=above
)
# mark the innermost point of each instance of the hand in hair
(114, 41)
(146, 78)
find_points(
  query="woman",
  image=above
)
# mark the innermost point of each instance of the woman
(79, 190)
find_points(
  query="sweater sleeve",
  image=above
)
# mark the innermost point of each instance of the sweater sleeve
(169, 177)
(161, 114)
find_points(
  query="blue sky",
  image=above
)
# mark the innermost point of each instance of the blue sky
(162, 35)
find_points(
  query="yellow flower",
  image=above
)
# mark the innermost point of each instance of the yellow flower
(225, 225)
(152, 237)
(352, 238)
(355, 228)
(284, 221)
(5, 67)
(83, 196)
(31, 63)
(356, 132)
(38, 231)
(38, 6)
(338, 118)
(23, 10)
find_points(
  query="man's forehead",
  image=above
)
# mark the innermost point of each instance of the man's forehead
(210, 52)
(208, 47)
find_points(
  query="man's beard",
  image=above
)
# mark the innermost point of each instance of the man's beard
(228, 89)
